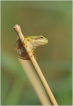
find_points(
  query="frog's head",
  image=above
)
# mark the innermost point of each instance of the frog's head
(40, 40)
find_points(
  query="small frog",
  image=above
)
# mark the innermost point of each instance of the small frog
(33, 42)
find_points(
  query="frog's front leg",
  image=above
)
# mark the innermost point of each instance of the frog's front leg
(27, 44)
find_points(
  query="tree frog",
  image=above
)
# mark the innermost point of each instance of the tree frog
(33, 42)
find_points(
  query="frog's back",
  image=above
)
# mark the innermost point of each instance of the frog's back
(21, 50)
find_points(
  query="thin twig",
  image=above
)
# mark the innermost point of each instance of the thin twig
(26, 64)
(38, 70)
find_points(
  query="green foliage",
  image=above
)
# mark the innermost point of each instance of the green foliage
(16, 88)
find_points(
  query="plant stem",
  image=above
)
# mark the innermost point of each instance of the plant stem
(35, 64)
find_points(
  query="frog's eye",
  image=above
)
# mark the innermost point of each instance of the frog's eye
(41, 37)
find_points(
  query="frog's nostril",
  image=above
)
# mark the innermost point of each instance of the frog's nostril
(46, 40)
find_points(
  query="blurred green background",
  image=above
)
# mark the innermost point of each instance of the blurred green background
(52, 19)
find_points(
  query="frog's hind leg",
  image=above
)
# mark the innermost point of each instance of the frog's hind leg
(24, 56)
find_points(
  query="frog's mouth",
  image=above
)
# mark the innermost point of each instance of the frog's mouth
(40, 43)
